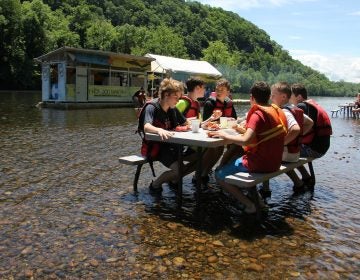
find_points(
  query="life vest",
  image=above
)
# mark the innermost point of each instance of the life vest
(226, 108)
(150, 149)
(193, 109)
(294, 145)
(322, 127)
(277, 120)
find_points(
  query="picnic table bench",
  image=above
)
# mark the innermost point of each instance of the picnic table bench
(249, 181)
(139, 161)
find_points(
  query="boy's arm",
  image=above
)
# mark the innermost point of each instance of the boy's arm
(308, 124)
(240, 139)
(208, 110)
(293, 132)
(148, 127)
(164, 134)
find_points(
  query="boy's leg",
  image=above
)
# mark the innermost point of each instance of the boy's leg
(295, 178)
(210, 158)
(233, 151)
(238, 194)
(172, 174)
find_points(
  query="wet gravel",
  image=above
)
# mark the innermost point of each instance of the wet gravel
(67, 209)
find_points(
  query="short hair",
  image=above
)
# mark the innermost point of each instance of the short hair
(283, 87)
(169, 85)
(299, 89)
(223, 83)
(193, 82)
(261, 92)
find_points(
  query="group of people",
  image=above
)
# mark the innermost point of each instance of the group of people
(289, 126)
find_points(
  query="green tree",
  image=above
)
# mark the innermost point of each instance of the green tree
(12, 44)
(217, 53)
(100, 35)
(161, 40)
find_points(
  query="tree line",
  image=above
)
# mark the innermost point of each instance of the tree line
(185, 29)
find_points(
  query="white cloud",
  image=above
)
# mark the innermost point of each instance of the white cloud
(335, 67)
(293, 37)
(355, 13)
(231, 5)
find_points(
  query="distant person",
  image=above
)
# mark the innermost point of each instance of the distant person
(156, 93)
(160, 116)
(316, 142)
(298, 124)
(139, 97)
(263, 153)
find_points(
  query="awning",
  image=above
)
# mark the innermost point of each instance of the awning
(167, 64)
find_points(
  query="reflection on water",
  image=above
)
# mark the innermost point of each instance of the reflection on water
(67, 209)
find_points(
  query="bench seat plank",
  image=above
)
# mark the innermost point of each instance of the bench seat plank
(247, 180)
(133, 160)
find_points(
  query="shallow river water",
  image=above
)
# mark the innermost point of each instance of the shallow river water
(67, 209)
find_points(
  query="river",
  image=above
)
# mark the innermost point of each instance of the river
(67, 209)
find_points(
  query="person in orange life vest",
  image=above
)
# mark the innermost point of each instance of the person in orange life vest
(161, 119)
(214, 108)
(297, 123)
(263, 142)
(316, 142)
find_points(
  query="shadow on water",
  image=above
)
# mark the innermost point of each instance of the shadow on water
(216, 211)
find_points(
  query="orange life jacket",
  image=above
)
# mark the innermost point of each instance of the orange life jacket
(294, 145)
(277, 120)
(322, 127)
(193, 109)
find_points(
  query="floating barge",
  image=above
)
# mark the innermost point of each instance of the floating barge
(82, 78)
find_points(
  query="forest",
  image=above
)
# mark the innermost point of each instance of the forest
(185, 29)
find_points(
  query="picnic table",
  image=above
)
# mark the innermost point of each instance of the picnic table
(199, 140)
(347, 109)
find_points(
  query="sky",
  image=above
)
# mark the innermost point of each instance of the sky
(323, 34)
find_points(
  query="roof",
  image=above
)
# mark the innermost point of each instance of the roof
(97, 57)
(89, 51)
(165, 64)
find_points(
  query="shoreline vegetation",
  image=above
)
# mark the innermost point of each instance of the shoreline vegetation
(241, 51)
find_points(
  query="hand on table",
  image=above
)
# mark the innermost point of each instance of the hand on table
(216, 114)
(165, 134)
(240, 128)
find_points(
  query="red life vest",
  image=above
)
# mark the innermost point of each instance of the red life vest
(226, 108)
(294, 145)
(277, 120)
(322, 127)
(193, 109)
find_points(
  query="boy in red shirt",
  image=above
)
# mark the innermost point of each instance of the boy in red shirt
(263, 141)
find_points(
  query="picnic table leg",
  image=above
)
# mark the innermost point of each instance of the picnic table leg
(255, 199)
(137, 174)
(198, 169)
(180, 173)
(311, 168)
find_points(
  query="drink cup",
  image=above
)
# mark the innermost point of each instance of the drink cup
(231, 123)
(195, 125)
(223, 122)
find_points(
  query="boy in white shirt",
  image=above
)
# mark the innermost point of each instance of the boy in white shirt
(298, 124)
